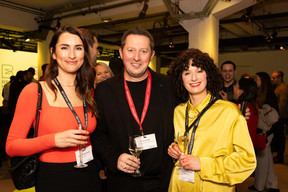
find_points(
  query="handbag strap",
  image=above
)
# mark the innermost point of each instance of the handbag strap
(38, 109)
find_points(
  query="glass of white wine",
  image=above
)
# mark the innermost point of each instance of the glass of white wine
(182, 140)
(135, 148)
(81, 150)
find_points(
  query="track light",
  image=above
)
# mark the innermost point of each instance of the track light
(247, 17)
(58, 24)
(171, 45)
(269, 38)
(142, 14)
(27, 39)
(106, 20)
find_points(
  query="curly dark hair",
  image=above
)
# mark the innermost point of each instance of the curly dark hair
(201, 60)
(85, 75)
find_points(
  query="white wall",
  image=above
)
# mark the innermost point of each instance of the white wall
(252, 62)
(11, 62)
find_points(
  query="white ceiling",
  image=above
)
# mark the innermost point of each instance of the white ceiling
(267, 16)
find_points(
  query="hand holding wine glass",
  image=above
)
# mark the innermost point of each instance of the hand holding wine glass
(182, 139)
(135, 148)
(81, 149)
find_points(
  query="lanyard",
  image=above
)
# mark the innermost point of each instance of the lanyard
(196, 123)
(71, 107)
(146, 102)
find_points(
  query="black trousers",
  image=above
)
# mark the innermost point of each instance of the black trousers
(278, 142)
(59, 177)
(132, 184)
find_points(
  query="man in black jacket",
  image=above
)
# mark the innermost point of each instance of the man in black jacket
(135, 102)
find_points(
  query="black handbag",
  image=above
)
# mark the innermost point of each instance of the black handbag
(24, 169)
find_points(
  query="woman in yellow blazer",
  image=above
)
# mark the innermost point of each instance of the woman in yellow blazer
(222, 152)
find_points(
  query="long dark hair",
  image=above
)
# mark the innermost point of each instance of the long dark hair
(85, 75)
(201, 60)
(249, 87)
(266, 93)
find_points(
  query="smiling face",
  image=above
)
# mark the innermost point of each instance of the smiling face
(102, 73)
(195, 82)
(136, 55)
(228, 73)
(69, 53)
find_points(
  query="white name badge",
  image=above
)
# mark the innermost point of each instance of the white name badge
(148, 141)
(187, 175)
(87, 155)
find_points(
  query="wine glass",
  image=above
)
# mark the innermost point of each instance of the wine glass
(182, 140)
(135, 148)
(81, 149)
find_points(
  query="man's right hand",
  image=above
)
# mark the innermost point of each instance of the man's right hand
(128, 163)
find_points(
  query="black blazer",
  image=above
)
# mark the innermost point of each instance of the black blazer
(110, 139)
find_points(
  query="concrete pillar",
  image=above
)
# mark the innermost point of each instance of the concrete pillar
(204, 31)
(204, 35)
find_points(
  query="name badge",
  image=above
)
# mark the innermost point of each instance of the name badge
(87, 155)
(187, 175)
(148, 141)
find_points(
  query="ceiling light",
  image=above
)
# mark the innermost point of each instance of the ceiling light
(246, 18)
(142, 14)
(58, 25)
(269, 38)
(27, 39)
(171, 45)
(106, 20)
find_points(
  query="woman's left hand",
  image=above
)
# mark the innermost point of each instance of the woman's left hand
(190, 162)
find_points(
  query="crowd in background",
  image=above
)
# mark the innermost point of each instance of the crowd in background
(265, 96)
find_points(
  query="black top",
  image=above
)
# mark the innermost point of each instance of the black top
(116, 123)
(150, 159)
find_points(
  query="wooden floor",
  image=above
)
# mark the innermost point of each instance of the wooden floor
(6, 184)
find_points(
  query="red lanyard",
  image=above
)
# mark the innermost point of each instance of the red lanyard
(146, 103)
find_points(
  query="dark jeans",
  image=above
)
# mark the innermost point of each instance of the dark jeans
(278, 142)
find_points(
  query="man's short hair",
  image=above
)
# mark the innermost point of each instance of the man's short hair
(32, 70)
(89, 35)
(137, 31)
(229, 62)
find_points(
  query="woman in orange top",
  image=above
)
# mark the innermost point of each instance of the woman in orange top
(68, 81)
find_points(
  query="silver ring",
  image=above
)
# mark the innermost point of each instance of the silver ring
(124, 167)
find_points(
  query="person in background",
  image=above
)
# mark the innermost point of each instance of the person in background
(116, 65)
(103, 72)
(5, 91)
(281, 91)
(93, 44)
(43, 67)
(265, 175)
(152, 116)
(228, 71)
(245, 93)
(220, 152)
(67, 87)
(30, 75)
(15, 89)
